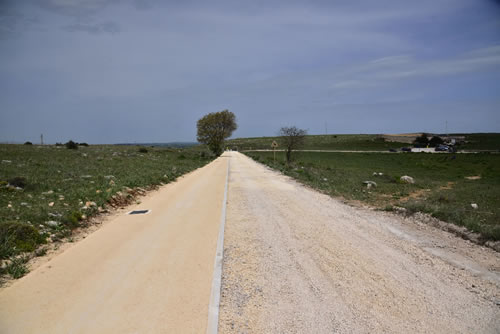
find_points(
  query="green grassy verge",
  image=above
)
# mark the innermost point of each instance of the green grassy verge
(441, 186)
(47, 191)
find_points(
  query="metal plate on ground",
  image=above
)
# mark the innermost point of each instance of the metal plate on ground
(139, 212)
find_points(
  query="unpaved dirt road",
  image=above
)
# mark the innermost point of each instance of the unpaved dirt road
(137, 274)
(296, 261)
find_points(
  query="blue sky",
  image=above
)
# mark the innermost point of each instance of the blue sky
(109, 71)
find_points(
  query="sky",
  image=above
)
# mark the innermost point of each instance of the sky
(112, 71)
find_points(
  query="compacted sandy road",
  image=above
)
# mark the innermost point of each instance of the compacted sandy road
(296, 261)
(137, 274)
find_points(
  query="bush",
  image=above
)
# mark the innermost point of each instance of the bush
(435, 141)
(28, 143)
(72, 219)
(71, 145)
(18, 182)
(18, 237)
(17, 267)
(83, 144)
(422, 140)
(59, 144)
(143, 150)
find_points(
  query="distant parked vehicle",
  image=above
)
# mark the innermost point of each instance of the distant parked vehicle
(406, 149)
(442, 148)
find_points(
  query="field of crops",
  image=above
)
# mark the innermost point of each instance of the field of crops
(47, 191)
(445, 184)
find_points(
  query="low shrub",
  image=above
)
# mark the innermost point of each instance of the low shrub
(18, 181)
(17, 237)
(71, 145)
(143, 150)
(17, 267)
(72, 219)
(28, 143)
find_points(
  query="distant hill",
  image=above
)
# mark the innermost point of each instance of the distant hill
(357, 142)
(367, 142)
(171, 144)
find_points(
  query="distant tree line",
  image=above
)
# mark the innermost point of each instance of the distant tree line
(424, 141)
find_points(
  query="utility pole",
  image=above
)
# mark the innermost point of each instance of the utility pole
(41, 139)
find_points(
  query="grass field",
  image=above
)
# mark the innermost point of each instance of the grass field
(481, 141)
(321, 142)
(47, 191)
(475, 141)
(445, 184)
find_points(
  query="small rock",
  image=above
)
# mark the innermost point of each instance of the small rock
(24, 204)
(325, 179)
(399, 209)
(97, 191)
(407, 179)
(474, 206)
(51, 204)
(6, 161)
(109, 177)
(52, 223)
(371, 183)
(9, 205)
(48, 192)
(86, 176)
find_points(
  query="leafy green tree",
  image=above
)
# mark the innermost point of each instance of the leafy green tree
(435, 141)
(422, 140)
(214, 128)
(292, 138)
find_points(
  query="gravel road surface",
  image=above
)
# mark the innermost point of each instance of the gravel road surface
(296, 261)
(137, 274)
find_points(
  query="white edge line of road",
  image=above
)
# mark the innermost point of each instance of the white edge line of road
(213, 307)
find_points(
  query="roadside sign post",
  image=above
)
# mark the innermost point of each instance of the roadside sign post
(274, 145)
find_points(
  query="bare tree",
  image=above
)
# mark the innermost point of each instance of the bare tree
(292, 139)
